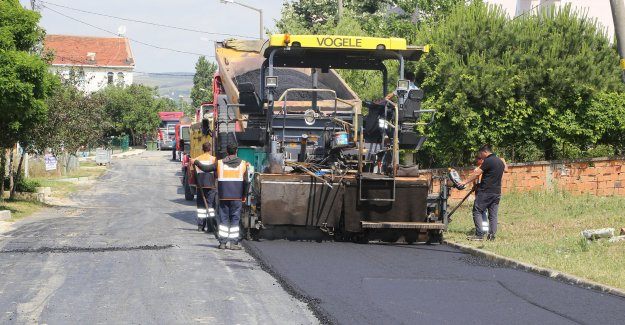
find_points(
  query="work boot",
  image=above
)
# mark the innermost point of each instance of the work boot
(491, 237)
(475, 238)
(222, 245)
(235, 247)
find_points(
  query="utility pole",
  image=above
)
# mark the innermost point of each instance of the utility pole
(618, 15)
(340, 11)
(261, 32)
(32, 4)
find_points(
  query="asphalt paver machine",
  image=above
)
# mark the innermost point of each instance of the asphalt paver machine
(323, 161)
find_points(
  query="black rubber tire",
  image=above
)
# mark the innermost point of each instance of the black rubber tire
(435, 237)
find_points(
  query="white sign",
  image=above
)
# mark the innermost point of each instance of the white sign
(50, 161)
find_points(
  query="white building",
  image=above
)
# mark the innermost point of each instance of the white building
(93, 62)
(599, 9)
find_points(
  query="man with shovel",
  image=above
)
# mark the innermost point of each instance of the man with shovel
(206, 191)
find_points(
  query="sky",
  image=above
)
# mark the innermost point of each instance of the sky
(204, 15)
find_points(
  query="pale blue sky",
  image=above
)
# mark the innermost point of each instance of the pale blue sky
(205, 15)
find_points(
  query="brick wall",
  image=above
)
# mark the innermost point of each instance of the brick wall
(597, 176)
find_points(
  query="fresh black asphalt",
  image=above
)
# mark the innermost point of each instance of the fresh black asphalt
(350, 283)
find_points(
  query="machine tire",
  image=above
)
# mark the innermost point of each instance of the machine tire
(435, 237)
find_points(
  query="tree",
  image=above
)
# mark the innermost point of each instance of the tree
(74, 120)
(24, 79)
(524, 85)
(202, 90)
(132, 110)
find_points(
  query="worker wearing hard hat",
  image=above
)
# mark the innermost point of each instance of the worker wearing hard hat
(232, 184)
(206, 191)
(488, 193)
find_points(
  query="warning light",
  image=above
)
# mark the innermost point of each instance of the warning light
(287, 39)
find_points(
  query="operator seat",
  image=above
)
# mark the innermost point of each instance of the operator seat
(412, 105)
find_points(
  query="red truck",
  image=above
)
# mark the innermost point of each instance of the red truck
(167, 131)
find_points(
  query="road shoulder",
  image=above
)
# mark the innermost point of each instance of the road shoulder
(557, 275)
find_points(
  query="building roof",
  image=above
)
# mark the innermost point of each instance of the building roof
(90, 51)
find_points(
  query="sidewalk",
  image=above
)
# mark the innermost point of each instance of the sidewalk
(120, 155)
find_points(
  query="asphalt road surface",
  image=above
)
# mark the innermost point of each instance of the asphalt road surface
(349, 283)
(128, 252)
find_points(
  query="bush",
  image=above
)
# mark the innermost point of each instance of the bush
(601, 150)
(23, 185)
(546, 81)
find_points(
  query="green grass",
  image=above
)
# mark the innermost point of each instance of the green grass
(23, 208)
(61, 188)
(20, 209)
(543, 228)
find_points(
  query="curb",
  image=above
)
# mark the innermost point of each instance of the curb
(5, 215)
(560, 276)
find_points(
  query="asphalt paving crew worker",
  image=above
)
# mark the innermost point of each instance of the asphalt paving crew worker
(488, 193)
(206, 191)
(232, 184)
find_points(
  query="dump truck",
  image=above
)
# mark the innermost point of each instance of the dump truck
(166, 131)
(323, 162)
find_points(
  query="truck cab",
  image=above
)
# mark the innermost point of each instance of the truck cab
(167, 131)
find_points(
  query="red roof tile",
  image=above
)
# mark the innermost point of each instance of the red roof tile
(73, 50)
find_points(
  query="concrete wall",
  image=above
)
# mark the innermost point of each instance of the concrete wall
(598, 176)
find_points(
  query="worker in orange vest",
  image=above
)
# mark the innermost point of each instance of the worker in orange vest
(206, 191)
(232, 184)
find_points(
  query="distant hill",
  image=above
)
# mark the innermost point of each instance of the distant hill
(170, 84)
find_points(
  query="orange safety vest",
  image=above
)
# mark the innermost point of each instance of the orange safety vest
(206, 159)
(230, 180)
(205, 180)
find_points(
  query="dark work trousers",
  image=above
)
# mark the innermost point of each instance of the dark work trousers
(229, 217)
(204, 215)
(486, 202)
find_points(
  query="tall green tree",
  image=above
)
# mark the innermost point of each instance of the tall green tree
(73, 121)
(132, 110)
(24, 80)
(202, 90)
(525, 85)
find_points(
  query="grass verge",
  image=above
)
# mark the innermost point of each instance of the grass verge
(20, 208)
(60, 189)
(543, 228)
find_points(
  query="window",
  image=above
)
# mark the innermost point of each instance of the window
(109, 78)
(120, 78)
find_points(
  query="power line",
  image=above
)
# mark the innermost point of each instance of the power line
(83, 64)
(131, 39)
(532, 9)
(147, 22)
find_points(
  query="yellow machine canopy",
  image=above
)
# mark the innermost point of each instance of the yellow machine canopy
(338, 52)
